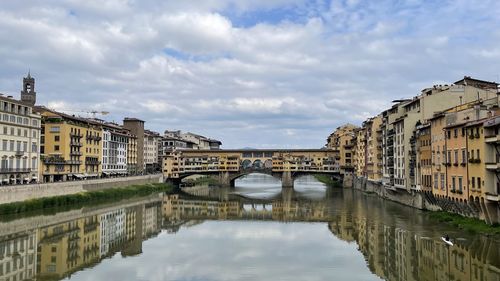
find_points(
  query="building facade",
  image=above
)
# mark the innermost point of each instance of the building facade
(20, 139)
(70, 147)
(115, 142)
(151, 141)
(136, 128)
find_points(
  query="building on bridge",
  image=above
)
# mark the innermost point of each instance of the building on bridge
(228, 165)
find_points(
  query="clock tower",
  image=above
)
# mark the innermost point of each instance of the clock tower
(28, 94)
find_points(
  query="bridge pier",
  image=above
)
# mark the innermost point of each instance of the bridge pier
(287, 179)
(224, 179)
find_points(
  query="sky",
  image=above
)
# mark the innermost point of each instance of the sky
(251, 73)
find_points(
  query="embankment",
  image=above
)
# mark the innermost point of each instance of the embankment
(17, 193)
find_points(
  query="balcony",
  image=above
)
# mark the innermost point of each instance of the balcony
(74, 143)
(73, 162)
(75, 153)
(493, 166)
(96, 138)
(53, 160)
(75, 135)
(14, 170)
(492, 138)
(474, 160)
(19, 153)
(492, 197)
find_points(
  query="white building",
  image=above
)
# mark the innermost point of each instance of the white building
(112, 230)
(151, 141)
(115, 149)
(18, 256)
(19, 138)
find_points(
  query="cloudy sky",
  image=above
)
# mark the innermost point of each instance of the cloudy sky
(252, 73)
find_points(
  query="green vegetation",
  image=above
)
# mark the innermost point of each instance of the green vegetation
(467, 224)
(80, 199)
(328, 180)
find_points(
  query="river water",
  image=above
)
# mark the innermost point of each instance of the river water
(255, 231)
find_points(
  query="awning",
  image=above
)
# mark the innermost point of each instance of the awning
(34, 178)
(78, 176)
(26, 179)
(5, 180)
(105, 173)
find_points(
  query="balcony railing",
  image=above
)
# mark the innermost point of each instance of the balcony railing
(78, 153)
(74, 143)
(19, 153)
(75, 135)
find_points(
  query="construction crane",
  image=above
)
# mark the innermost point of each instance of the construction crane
(91, 112)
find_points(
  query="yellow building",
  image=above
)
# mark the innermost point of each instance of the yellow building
(70, 147)
(438, 155)
(132, 155)
(342, 140)
(476, 160)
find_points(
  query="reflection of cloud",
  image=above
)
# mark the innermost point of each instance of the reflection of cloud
(232, 253)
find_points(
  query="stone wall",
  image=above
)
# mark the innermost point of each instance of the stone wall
(15, 193)
(412, 199)
(419, 200)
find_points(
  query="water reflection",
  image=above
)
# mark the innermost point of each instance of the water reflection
(207, 233)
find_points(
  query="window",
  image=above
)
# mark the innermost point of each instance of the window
(436, 178)
(473, 181)
(56, 138)
(56, 147)
(448, 134)
(477, 152)
(456, 156)
(460, 183)
(442, 181)
(479, 182)
(4, 145)
(453, 183)
(55, 129)
(455, 133)
(5, 130)
(464, 156)
(11, 145)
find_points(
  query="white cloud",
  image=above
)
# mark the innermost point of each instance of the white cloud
(291, 74)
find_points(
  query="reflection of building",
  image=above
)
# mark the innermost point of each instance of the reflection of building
(133, 230)
(65, 247)
(18, 256)
(112, 230)
(151, 220)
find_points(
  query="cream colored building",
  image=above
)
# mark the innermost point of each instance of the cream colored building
(360, 153)
(374, 148)
(151, 141)
(20, 141)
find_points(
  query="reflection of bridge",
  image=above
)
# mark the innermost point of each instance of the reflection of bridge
(223, 205)
(229, 165)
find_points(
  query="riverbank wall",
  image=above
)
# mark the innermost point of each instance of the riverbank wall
(427, 201)
(17, 193)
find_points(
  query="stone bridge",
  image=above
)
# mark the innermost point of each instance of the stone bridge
(229, 165)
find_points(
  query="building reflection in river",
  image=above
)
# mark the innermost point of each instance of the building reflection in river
(394, 247)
